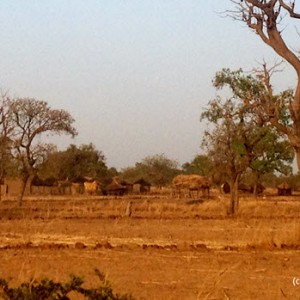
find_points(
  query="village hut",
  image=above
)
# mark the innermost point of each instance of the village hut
(190, 183)
(141, 186)
(115, 189)
(118, 187)
(284, 189)
(128, 185)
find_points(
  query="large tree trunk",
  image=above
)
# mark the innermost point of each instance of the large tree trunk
(234, 195)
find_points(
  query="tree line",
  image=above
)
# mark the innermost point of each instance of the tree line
(253, 130)
(242, 141)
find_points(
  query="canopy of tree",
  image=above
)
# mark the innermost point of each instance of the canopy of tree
(22, 122)
(157, 170)
(265, 17)
(201, 165)
(241, 137)
(75, 162)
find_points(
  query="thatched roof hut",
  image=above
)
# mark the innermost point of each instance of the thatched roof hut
(141, 186)
(115, 189)
(284, 189)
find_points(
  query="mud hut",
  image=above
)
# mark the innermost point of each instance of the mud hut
(128, 185)
(284, 189)
(115, 189)
(193, 183)
(141, 186)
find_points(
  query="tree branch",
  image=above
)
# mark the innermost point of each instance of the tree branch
(290, 9)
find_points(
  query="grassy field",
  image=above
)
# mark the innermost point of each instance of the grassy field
(168, 248)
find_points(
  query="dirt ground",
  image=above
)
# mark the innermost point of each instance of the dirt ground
(167, 249)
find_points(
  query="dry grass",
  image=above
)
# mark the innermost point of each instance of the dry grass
(263, 222)
(168, 249)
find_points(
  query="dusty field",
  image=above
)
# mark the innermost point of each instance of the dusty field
(167, 249)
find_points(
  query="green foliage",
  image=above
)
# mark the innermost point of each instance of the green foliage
(239, 147)
(75, 162)
(243, 135)
(157, 170)
(48, 289)
(201, 165)
(272, 153)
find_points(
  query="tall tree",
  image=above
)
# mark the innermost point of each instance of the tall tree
(264, 17)
(30, 119)
(242, 138)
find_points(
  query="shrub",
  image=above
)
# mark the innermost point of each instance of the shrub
(50, 290)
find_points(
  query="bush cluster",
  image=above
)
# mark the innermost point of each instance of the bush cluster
(51, 290)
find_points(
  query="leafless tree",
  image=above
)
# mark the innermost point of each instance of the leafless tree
(264, 18)
(30, 118)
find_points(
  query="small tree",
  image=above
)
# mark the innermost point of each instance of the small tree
(226, 149)
(30, 118)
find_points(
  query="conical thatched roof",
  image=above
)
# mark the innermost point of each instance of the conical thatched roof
(115, 187)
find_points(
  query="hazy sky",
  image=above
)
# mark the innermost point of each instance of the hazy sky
(135, 74)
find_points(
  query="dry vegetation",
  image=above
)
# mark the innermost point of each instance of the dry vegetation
(168, 249)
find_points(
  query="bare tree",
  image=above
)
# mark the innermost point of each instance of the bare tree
(264, 18)
(31, 118)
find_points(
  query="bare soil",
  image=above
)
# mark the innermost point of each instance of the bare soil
(167, 249)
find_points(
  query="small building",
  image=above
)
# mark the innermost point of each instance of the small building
(118, 187)
(115, 189)
(141, 186)
(284, 189)
(128, 186)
